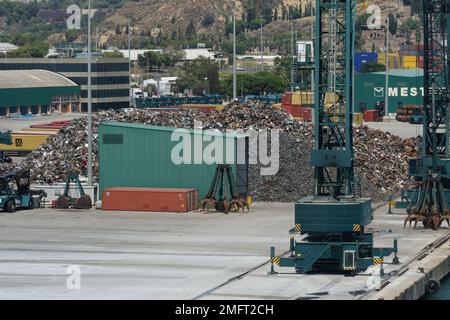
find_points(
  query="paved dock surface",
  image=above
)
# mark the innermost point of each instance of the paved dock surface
(172, 256)
(16, 124)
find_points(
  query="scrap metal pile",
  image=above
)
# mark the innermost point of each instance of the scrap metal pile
(381, 158)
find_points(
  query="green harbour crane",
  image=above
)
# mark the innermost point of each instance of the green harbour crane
(429, 202)
(331, 223)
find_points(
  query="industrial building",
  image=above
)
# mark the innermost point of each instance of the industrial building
(128, 159)
(405, 86)
(7, 47)
(110, 77)
(37, 91)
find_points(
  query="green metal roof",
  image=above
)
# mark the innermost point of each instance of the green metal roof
(21, 88)
(409, 73)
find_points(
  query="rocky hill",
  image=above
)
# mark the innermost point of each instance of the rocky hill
(163, 22)
(206, 20)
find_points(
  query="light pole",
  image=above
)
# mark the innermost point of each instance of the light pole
(129, 58)
(90, 178)
(234, 55)
(386, 94)
(292, 54)
(262, 44)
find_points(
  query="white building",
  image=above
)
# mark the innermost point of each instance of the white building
(193, 54)
(7, 47)
(164, 86)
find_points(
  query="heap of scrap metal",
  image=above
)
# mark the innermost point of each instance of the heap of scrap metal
(381, 158)
(382, 161)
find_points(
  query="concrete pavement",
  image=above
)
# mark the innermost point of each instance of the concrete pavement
(171, 256)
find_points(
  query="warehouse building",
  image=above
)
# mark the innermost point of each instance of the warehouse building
(110, 77)
(37, 91)
(405, 87)
(7, 47)
(128, 158)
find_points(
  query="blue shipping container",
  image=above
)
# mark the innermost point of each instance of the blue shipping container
(364, 57)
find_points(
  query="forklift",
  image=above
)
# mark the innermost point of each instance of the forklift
(15, 192)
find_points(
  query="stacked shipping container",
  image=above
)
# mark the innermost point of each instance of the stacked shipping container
(298, 104)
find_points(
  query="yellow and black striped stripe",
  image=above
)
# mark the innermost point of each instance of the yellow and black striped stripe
(276, 260)
(349, 269)
(393, 204)
(378, 261)
(357, 228)
(298, 228)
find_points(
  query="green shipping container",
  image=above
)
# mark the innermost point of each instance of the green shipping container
(405, 86)
(134, 155)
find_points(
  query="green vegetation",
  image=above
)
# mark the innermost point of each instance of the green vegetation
(113, 54)
(201, 76)
(259, 83)
(151, 59)
(283, 70)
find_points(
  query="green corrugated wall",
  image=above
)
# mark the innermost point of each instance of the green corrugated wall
(143, 159)
(370, 87)
(24, 97)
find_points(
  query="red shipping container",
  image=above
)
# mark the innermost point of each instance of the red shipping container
(307, 114)
(371, 116)
(420, 62)
(287, 108)
(60, 123)
(295, 111)
(45, 126)
(286, 99)
(150, 200)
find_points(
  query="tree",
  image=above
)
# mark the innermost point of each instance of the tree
(283, 13)
(191, 30)
(250, 14)
(153, 59)
(113, 54)
(393, 24)
(208, 20)
(266, 12)
(259, 83)
(32, 50)
(200, 76)
(72, 35)
(117, 30)
(283, 69)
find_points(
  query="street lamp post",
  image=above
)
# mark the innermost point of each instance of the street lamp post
(262, 44)
(90, 160)
(386, 94)
(234, 55)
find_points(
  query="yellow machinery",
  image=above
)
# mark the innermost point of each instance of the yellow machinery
(23, 144)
